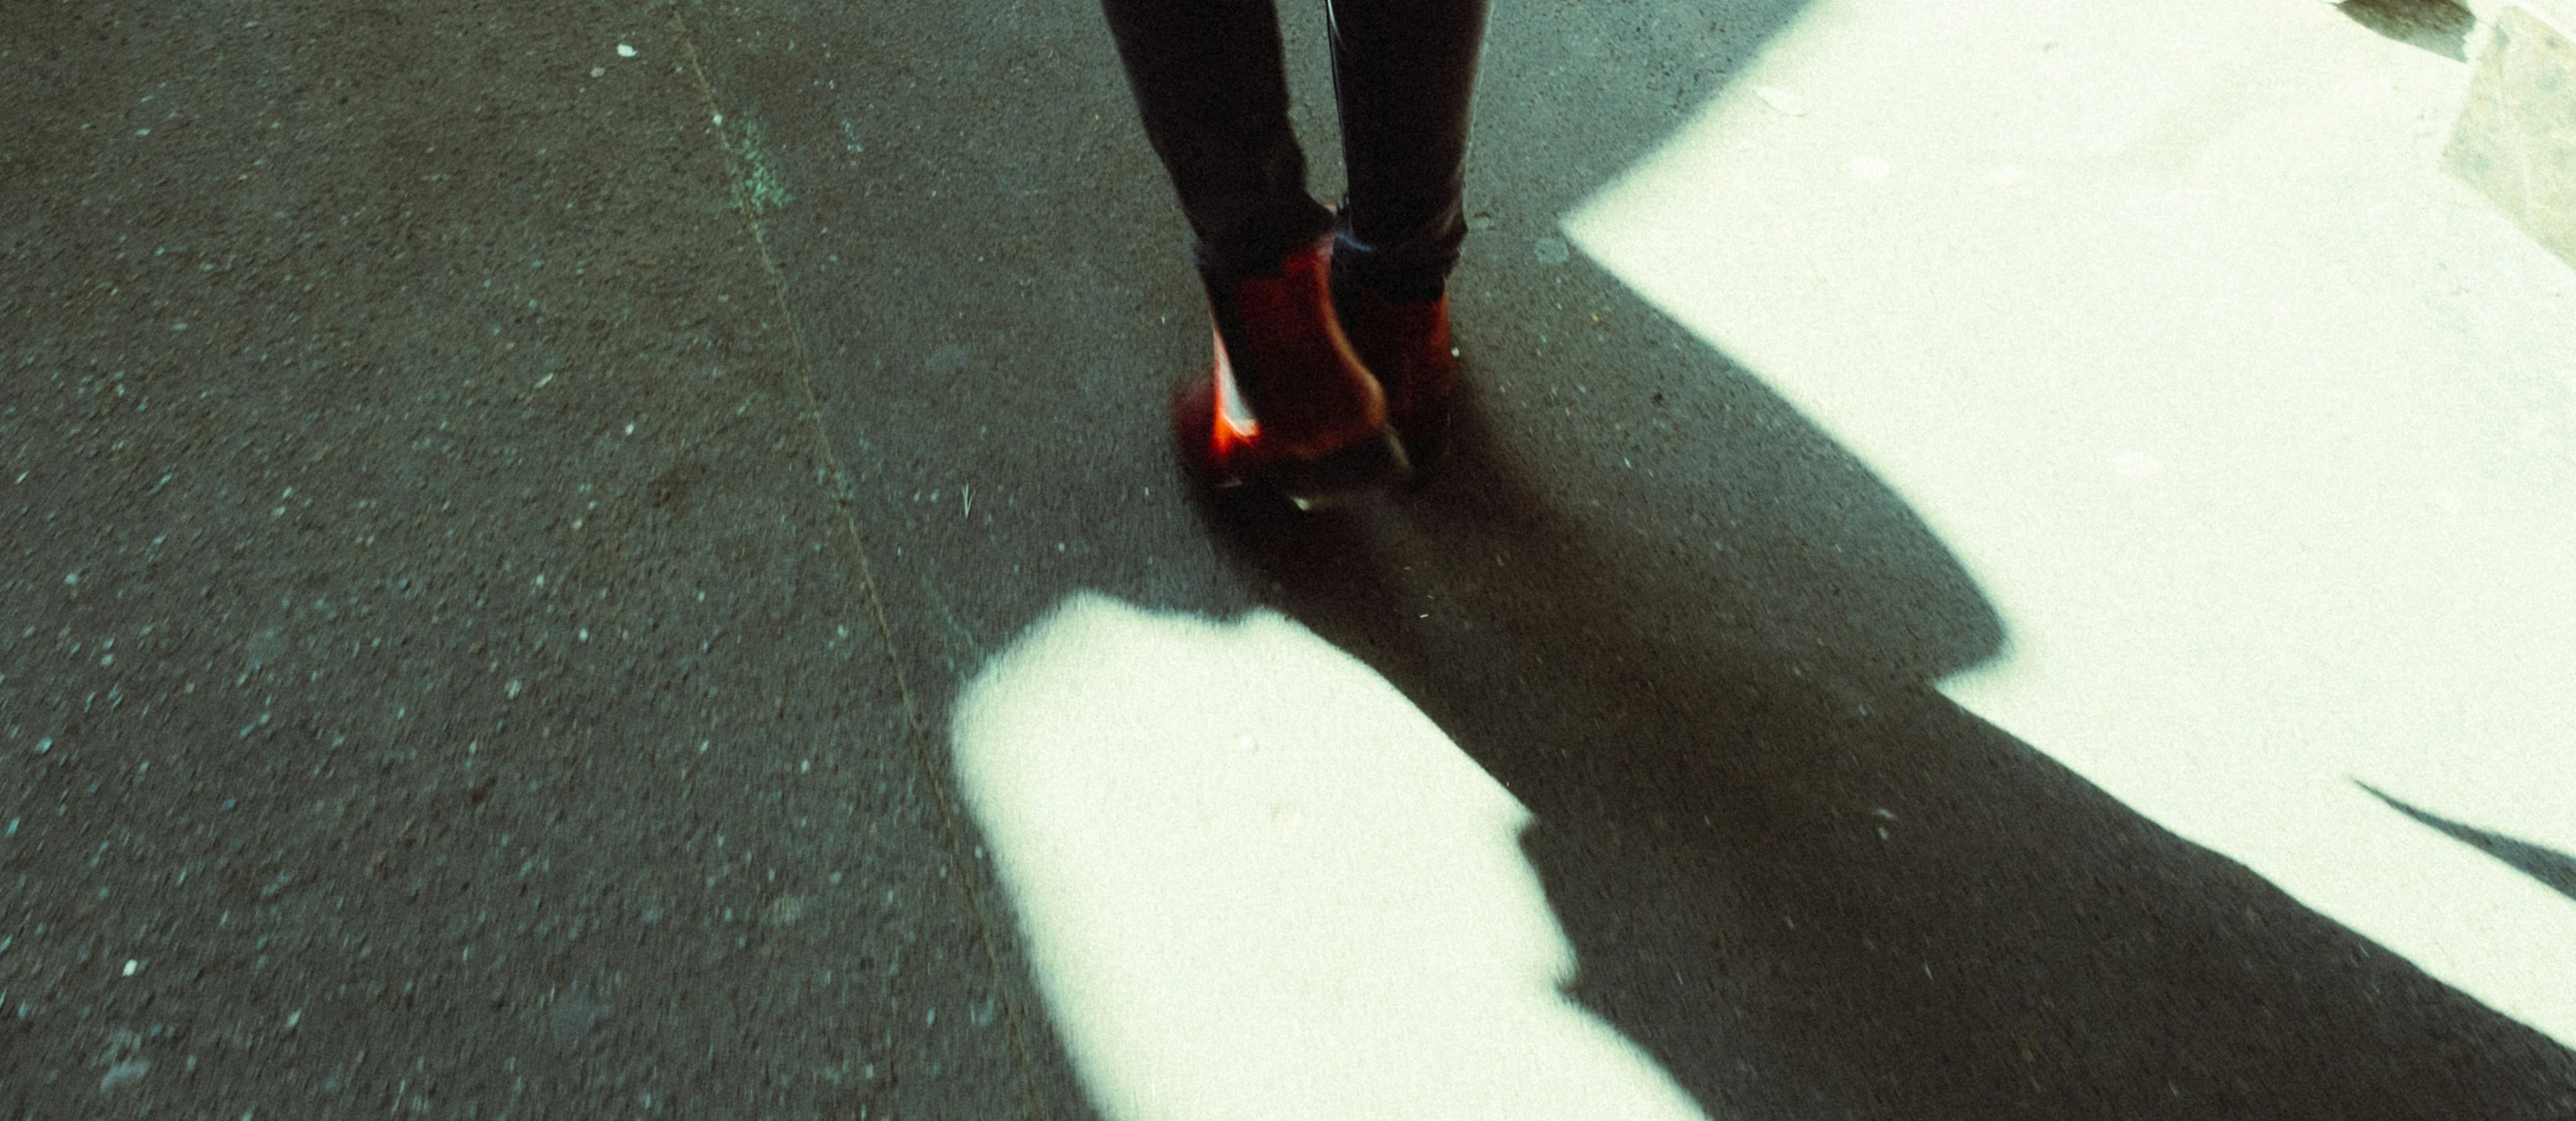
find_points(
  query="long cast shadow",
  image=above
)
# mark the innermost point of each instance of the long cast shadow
(1812, 886)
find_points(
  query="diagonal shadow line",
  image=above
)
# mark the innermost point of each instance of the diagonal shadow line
(2549, 866)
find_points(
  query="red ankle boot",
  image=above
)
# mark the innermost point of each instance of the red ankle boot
(1288, 404)
(1407, 346)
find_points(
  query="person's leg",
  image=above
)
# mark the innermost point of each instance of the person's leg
(1286, 402)
(1404, 72)
(1209, 85)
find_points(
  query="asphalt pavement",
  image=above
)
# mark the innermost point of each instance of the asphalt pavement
(500, 500)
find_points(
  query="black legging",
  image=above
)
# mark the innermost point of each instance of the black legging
(1208, 82)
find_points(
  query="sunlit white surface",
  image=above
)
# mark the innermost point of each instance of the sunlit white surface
(1256, 882)
(2254, 425)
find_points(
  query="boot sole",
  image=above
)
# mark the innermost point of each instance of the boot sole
(1328, 481)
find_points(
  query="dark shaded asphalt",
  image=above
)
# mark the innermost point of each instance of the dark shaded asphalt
(434, 743)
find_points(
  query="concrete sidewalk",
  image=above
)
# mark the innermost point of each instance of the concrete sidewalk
(440, 676)
(501, 503)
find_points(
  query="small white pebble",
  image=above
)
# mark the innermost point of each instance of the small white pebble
(598, 71)
(123, 1074)
(625, 50)
(131, 965)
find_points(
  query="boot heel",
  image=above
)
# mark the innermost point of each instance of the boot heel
(1337, 478)
(1426, 442)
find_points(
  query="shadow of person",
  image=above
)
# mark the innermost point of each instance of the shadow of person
(1802, 879)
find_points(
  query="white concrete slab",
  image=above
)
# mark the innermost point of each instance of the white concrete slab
(2516, 137)
(2255, 425)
